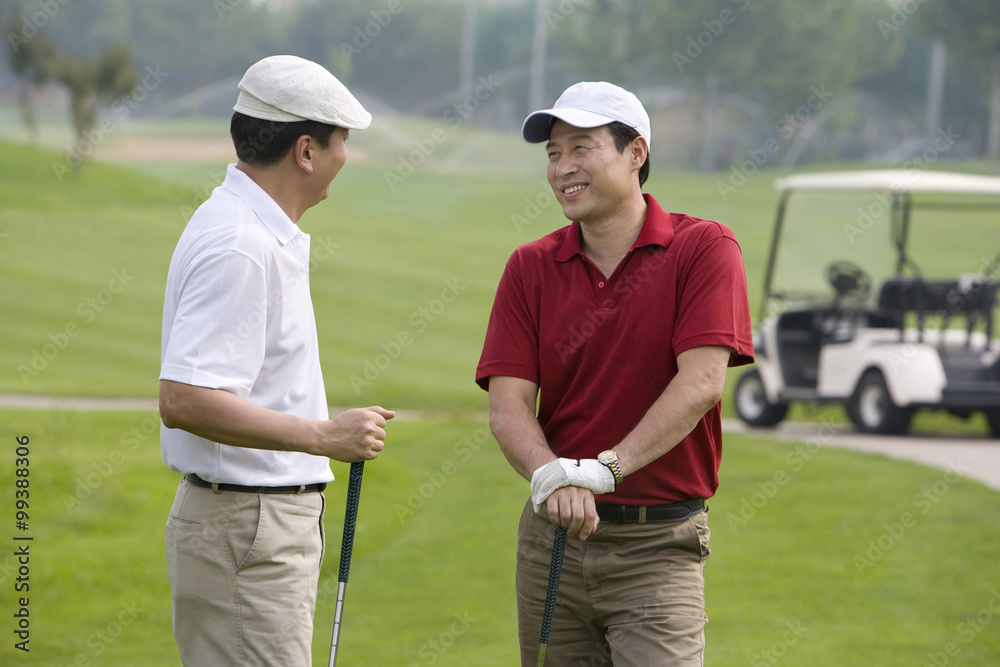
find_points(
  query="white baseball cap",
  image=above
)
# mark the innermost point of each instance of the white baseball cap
(589, 104)
(290, 89)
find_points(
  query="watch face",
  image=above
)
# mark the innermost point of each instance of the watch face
(606, 457)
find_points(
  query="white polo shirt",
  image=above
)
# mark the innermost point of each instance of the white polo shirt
(238, 316)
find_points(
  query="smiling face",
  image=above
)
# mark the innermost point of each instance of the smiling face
(589, 176)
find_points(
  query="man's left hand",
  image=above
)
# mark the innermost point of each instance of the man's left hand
(587, 473)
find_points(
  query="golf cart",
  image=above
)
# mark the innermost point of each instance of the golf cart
(872, 306)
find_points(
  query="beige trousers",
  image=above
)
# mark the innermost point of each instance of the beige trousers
(243, 571)
(630, 596)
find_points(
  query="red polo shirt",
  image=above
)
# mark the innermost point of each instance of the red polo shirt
(602, 350)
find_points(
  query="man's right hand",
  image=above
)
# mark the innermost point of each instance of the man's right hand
(355, 435)
(574, 508)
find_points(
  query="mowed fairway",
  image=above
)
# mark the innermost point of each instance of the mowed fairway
(403, 270)
(846, 559)
(819, 557)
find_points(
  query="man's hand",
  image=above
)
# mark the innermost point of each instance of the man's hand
(587, 473)
(355, 435)
(573, 507)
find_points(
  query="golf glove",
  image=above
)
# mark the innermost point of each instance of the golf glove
(588, 473)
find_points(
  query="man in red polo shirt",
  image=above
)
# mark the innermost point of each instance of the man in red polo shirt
(621, 327)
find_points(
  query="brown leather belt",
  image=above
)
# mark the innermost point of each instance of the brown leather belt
(303, 488)
(651, 513)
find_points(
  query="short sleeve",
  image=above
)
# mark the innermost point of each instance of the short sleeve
(712, 300)
(217, 336)
(511, 346)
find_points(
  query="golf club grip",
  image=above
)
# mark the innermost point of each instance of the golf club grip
(350, 518)
(558, 548)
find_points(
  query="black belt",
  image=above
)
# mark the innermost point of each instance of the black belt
(652, 513)
(302, 488)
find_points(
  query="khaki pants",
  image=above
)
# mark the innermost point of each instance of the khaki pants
(243, 571)
(630, 596)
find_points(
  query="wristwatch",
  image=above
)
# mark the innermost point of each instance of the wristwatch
(609, 457)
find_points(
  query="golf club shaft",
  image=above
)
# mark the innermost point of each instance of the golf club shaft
(341, 588)
(347, 545)
(555, 569)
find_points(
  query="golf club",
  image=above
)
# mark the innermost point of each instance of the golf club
(347, 545)
(558, 547)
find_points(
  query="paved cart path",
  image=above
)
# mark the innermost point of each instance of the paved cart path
(974, 457)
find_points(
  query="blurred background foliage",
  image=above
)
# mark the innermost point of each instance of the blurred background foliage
(720, 77)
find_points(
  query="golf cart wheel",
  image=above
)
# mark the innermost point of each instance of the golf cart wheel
(752, 405)
(993, 419)
(872, 409)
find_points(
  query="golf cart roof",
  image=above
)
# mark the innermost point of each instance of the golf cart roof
(896, 180)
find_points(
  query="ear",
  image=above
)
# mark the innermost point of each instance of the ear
(639, 151)
(303, 150)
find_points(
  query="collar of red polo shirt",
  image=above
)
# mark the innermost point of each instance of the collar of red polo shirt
(656, 230)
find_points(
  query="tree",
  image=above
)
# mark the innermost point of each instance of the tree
(777, 51)
(971, 30)
(94, 84)
(30, 59)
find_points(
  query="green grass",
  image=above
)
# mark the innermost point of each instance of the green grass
(787, 583)
(382, 258)
(793, 531)
(383, 252)
(381, 261)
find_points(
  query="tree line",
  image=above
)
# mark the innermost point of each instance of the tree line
(758, 60)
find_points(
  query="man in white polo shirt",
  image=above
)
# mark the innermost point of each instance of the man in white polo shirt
(241, 391)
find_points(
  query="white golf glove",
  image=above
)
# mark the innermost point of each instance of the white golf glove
(588, 473)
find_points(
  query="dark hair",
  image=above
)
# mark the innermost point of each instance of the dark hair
(266, 142)
(623, 136)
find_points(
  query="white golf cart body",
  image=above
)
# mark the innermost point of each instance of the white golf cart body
(913, 341)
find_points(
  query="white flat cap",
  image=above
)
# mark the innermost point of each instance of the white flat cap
(289, 89)
(589, 104)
